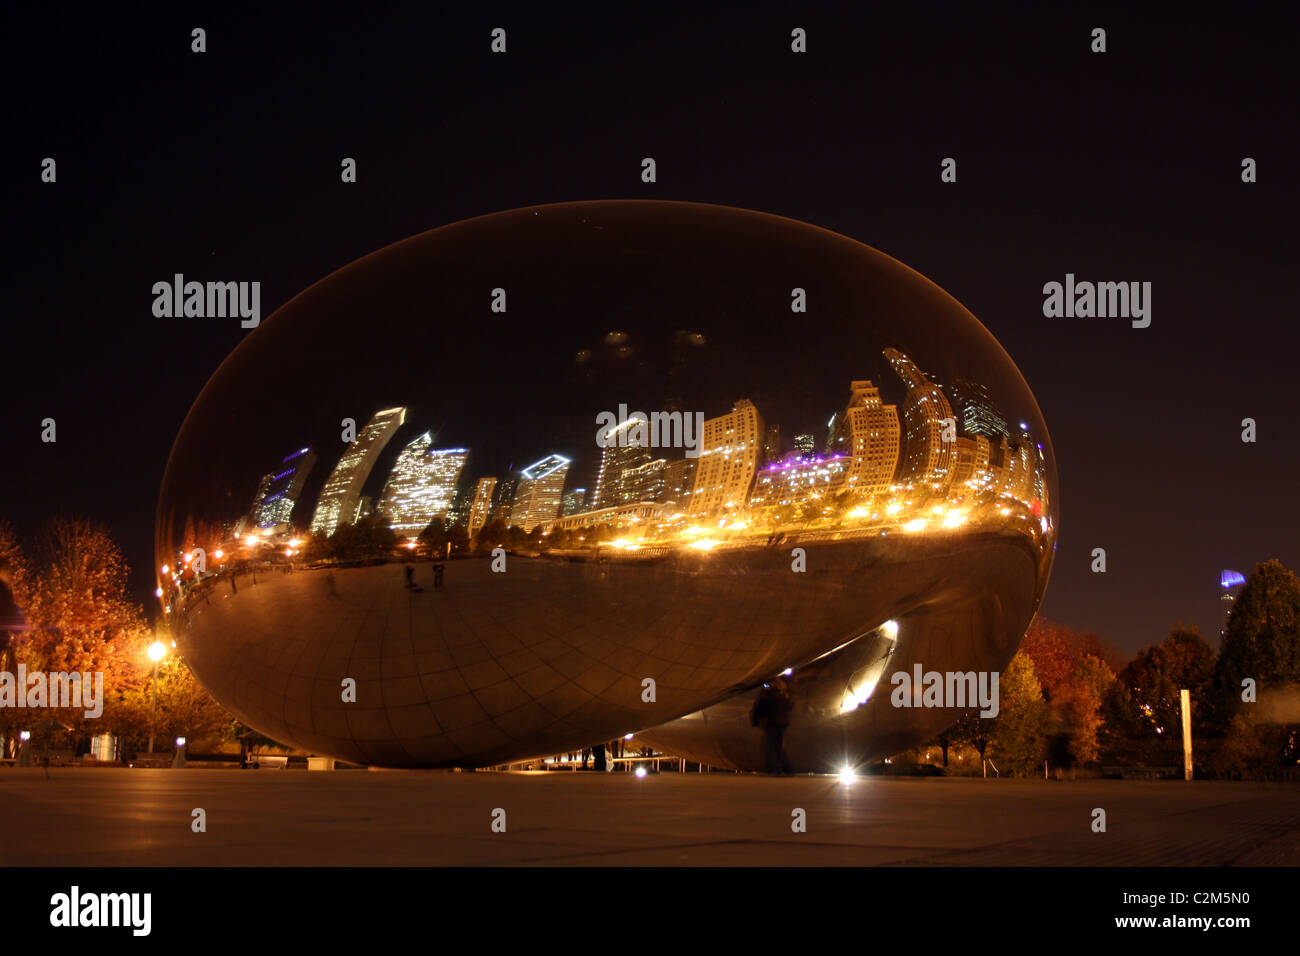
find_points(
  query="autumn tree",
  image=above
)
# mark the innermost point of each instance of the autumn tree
(71, 588)
(175, 706)
(1081, 705)
(1020, 729)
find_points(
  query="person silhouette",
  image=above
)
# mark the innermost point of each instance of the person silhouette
(771, 711)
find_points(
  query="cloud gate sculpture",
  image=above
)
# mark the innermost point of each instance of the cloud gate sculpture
(543, 478)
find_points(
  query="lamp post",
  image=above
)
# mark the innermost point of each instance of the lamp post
(156, 652)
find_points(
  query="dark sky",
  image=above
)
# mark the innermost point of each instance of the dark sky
(1115, 166)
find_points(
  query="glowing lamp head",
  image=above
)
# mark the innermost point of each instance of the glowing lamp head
(156, 651)
(847, 775)
(640, 771)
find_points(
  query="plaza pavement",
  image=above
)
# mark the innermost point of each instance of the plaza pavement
(112, 817)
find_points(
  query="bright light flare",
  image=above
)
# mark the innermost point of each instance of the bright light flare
(848, 775)
(156, 651)
(640, 771)
(955, 519)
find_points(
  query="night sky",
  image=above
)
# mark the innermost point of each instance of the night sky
(1122, 166)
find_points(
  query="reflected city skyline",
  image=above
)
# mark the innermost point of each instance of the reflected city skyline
(941, 464)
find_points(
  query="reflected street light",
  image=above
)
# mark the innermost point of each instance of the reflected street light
(156, 652)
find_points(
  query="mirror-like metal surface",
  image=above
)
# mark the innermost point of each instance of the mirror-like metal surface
(543, 478)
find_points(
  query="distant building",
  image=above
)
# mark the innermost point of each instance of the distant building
(771, 444)
(538, 496)
(280, 490)
(925, 457)
(503, 499)
(645, 482)
(574, 501)
(1230, 585)
(462, 500)
(633, 514)
(976, 412)
(263, 489)
(618, 457)
(970, 462)
(800, 479)
(679, 479)
(421, 485)
(481, 505)
(341, 497)
(729, 456)
(868, 434)
(806, 445)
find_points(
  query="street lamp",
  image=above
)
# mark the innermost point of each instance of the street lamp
(156, 652)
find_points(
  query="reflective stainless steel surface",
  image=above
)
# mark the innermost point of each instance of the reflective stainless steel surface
(902, 510)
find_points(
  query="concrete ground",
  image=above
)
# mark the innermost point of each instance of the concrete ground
(111, 817)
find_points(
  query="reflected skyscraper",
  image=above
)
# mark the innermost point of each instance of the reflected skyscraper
(275, 505)
(925, 458)
(574, 502)
(771, 444)
(970, 463)
(623, 453)
(679, 479)
(538, 496)
(503, 499)
(421, 485)
(868, 433)
(481, 506)
(730, 449)
(341, 497)
(976, 412)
